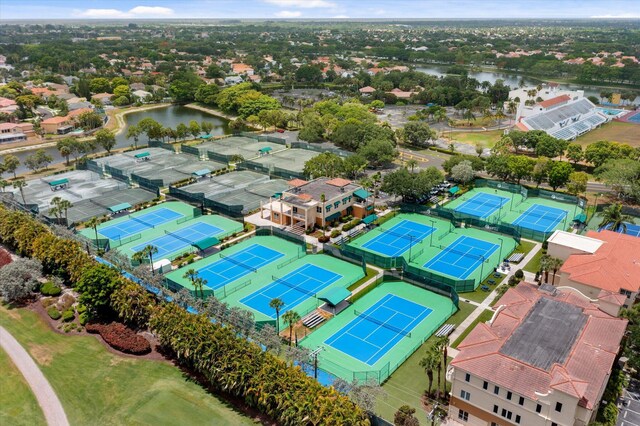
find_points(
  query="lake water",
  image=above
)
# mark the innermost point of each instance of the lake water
(512, 80)
(169, 116)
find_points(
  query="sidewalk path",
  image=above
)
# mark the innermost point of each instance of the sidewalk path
(47, 398)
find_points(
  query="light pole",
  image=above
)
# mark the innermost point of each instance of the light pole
(314, 355)
(433, 227)
(411, 237)
(501, 242)
(481, 269)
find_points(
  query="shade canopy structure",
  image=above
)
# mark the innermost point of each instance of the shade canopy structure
(119, 207)
(206, 136)
(582, 218)
(265, 149)
(361, 193)
(369, 219)
(206, 243)
(201, 172)
(334, 216)
(454, 190)
(59, 182)
(142, 155)
(334, 296)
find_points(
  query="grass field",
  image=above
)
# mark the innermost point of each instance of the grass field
(614, 131)
(97, 387)
(487, 139)
(18, 405)
(534, 264)
(408, 383)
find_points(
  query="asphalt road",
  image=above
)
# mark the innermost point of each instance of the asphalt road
(630, 415)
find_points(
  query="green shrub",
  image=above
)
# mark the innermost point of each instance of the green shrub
(81, 308)
(68, 315)
(519, 274)
(513, 280)
(50, 289)
(54, 313)
(83, 318)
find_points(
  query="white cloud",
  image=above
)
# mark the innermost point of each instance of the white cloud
(619, 16)
(305, 4)
(136, 12)
(340, 17)
(288, 14)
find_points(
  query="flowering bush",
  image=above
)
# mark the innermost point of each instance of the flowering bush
(121, 337)
(5, 258)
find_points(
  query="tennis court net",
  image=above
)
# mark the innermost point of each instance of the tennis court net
(407, 236)
(295, 287)
(237, 262)
(545, 215)
(381, 323)
(135, 219)
(176, 236)
(463, 254)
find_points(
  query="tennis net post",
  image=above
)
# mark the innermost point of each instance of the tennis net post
(381, 323)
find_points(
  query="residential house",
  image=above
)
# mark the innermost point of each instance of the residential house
(367, 90)
(11, 132)
(142, 95)
(318, 202)
(105, 98)
(242, 69)
(57, 125)
(544, 359)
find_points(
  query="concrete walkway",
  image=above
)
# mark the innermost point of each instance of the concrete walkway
(481, 307)
(47, 398)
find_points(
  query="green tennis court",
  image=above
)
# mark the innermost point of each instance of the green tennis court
(298, 283)
(404, 235)
(173, 239)
(374, 336)
(488, 204)
(538, 218)
(238, 266)
(464, 254)
(130, 227)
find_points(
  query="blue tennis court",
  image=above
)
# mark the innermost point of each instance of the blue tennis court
(371, 334)
(541, 218)
(293, 289)
(396, 240)
(632, 229)
(235, 266)
(137, 224)
(482, 205)
(460, 258)
(178, 240)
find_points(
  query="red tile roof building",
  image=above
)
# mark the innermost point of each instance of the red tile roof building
(614, 267)
(544, 358)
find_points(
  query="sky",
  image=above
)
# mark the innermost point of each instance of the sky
(310, 9)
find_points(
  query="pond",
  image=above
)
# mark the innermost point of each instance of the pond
(169, 116)
(512, 79)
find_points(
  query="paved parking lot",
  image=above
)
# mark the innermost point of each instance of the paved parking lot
(630, 415)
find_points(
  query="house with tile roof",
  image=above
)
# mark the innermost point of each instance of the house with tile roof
(543, 359)
(612, 269)
(318, 202)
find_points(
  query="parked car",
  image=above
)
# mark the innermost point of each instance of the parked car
(280, 130)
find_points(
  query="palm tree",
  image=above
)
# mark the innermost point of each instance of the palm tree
(150, 250)
(277, 304)
(323, 199)
(133, 132)
(468, 115)
(614, 220)
(411, 164)
(191, 274)
(429, 363)
(60, 205)
(555, 264)
(500, 116)
(65, 151)
(199, 284)
(93, 223)
(3, 184)
(291, 318)
(19, 185)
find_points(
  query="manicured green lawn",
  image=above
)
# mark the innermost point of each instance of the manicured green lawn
(18, 405)
(534, 264)
(487, 139)
(478, 295)
(97, 387)
(483, 317)
(614, 131)
(408, 383)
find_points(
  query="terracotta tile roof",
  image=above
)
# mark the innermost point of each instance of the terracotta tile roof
(554, 101)
(305, 197)
(55, 120)
(367, 89)
(296, 182)
(585, 369)
(615, 298)
(614, 266)
(79, 111)
(8, 126)
(521, 126)
(339, 182)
